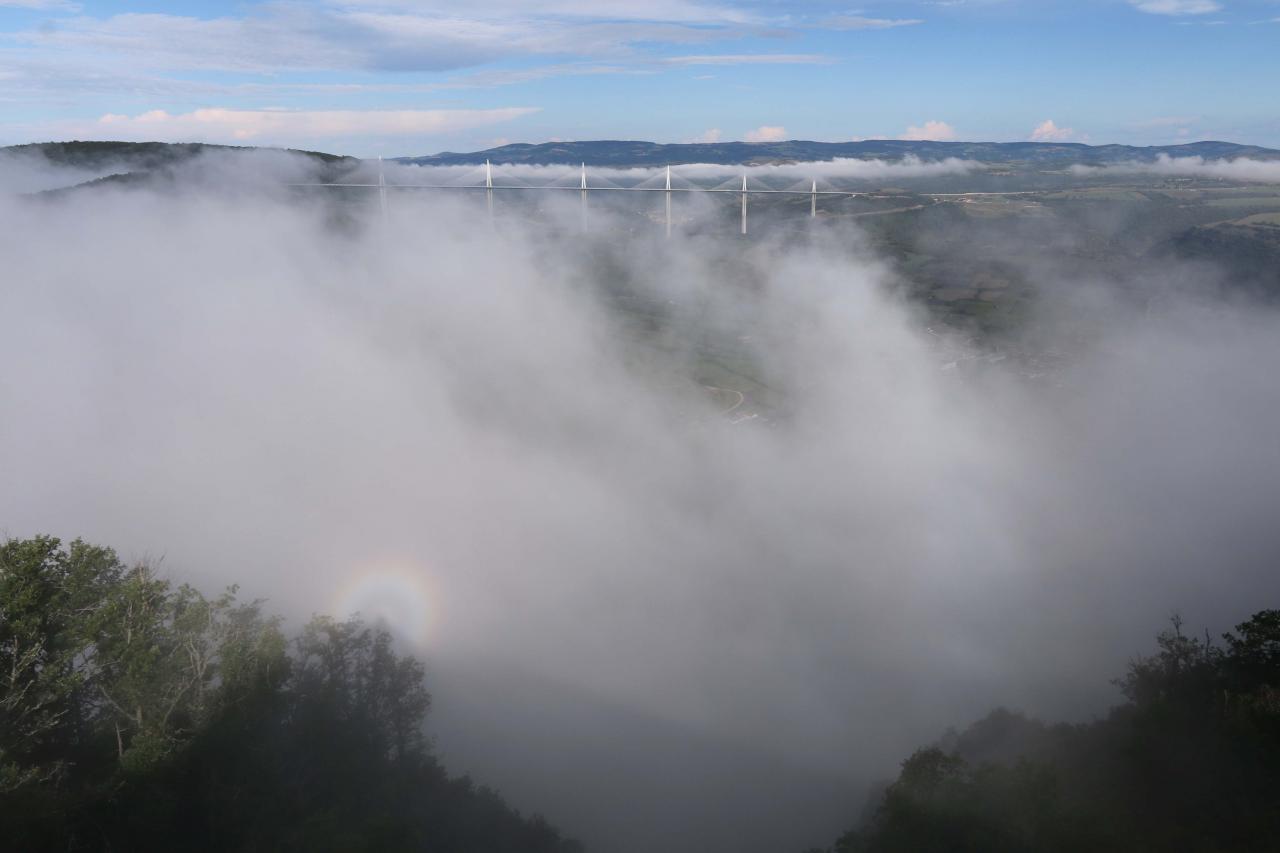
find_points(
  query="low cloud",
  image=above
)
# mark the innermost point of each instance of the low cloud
(776, 175)
(517, 420)
(766, 133)
(709, 135)
(930, 131)
(1241, 169)
(283, 126)
(1047, 131)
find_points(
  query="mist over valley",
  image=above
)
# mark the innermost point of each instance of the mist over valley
(698, 536)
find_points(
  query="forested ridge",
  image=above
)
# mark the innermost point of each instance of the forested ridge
(632, 153)
(1189, 762)
(138, 716)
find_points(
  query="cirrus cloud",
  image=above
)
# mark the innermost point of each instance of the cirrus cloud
(293, 37)
(750, 59)
(859, 22)
(1176, 7)
(50, 5)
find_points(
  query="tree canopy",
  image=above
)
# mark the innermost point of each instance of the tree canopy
(135, 715)
(1190, 761)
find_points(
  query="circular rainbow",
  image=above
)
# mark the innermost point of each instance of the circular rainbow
(398, 596)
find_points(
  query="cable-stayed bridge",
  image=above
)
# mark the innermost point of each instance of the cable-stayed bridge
(662, 181)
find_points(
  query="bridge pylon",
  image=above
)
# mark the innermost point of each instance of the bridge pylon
(488, 189)
(668, 202)
(382, 193)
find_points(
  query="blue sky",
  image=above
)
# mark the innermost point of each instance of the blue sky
(393, 77)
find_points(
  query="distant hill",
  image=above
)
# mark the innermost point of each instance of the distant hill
(58, 168)
(137, 156)
(146, 156)
(629, 153)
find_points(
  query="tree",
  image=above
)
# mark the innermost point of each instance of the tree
(139, 716)
(1190, 761)
(351, 670)
(1254, 656)
(49, 599)
(166, 660)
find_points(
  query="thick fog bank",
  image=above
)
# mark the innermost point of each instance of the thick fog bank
(501, 440)
(704, 174)
(1239, 169)
(23, 172)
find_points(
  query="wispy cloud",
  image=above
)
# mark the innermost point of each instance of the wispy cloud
(859, 22)
(50, 5)
(486, 79)
(750, 59)
(1177, 7)
(28, 80)
(680, 11)
(1166, 121)
(36, 80)
(296, 38)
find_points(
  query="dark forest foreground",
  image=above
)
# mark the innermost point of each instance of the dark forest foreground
(1190, 762)
(135, 716)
